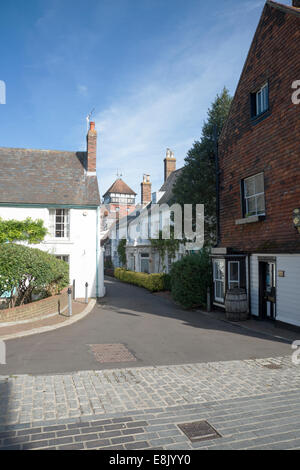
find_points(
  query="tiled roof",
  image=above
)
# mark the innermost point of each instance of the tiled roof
(167, 187)
(46, 177)
(119, 186)
(282, 7)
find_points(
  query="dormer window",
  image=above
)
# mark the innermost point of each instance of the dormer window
(260, 101)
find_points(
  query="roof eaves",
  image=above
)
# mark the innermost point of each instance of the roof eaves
(285, 8)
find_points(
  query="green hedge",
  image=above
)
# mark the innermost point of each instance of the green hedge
(152, 282)
(25, 271)
(190, 278)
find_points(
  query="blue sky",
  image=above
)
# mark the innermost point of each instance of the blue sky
(150, 68)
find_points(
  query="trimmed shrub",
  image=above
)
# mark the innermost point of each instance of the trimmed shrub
(152, 282)
(25, 271)
(190, 278)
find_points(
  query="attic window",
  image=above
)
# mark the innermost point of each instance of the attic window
(260, 101)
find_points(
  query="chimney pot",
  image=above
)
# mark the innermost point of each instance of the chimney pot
(92, 126)
(146, 190)
(170, 164)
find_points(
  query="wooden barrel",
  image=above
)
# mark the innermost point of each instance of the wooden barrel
(236, 304)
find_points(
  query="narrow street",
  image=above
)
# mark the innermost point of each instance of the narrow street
(149, 329)
(137, 368)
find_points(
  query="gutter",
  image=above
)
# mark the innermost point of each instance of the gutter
(48, 206)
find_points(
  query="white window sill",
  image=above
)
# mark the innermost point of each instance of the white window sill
(63, 241)
(249, 220)
(218, 303)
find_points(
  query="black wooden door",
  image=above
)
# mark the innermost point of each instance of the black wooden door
(267, 289)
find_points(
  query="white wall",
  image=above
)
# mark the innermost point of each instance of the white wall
(287, 287)
(81, 247)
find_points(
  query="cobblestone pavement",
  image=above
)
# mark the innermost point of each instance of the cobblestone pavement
(251, 403)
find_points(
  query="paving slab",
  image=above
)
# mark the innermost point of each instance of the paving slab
(268, 420)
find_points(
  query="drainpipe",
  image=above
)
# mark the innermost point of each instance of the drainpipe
(249, 284)
(97, 251)
(216, 153)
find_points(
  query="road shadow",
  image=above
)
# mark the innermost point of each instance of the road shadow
(127, 299)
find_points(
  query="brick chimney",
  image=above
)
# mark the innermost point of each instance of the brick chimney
(170, 163)
(91, 139)
(296, 3)
(146, 190)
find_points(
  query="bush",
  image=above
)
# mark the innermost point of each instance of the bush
(108, 263)
(152, 282)
(190, 278)
(167, 281)
(25, 271)
(122, 251)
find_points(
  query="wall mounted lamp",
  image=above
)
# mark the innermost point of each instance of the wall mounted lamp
(296, 219)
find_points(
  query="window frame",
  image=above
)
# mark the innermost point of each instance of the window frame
(260, 103)
(220, 280)
(254, 195)
(229, 273)
(65, 224)
(63, 256)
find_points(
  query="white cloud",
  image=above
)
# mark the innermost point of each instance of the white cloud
(167, 106)
(135, 132)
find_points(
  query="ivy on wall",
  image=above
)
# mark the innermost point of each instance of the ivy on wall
(32, 231)
(165, 247)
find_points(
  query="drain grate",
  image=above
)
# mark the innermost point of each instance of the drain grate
(105, 353)
(272, 366)
(199, 431)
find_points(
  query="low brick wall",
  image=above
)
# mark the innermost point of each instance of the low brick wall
(37, 309)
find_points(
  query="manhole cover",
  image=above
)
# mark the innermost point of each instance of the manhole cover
(199, 431)
(272, 366)
(111, 353)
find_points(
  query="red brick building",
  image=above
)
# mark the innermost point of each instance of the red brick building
(118, 202)
(259, 160)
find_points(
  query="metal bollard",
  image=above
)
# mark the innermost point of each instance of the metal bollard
(73, 289)
(86, 293)
(208, 300)
(70, 301)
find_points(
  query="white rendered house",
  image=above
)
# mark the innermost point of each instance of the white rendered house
(61, 188)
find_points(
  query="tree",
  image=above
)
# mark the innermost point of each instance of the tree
(31, 231)
(190, 278)
(196, 183)
(122, 251)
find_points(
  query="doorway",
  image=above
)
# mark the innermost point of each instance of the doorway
(267, 289)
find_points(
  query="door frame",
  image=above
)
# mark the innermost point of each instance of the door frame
(263, 315)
